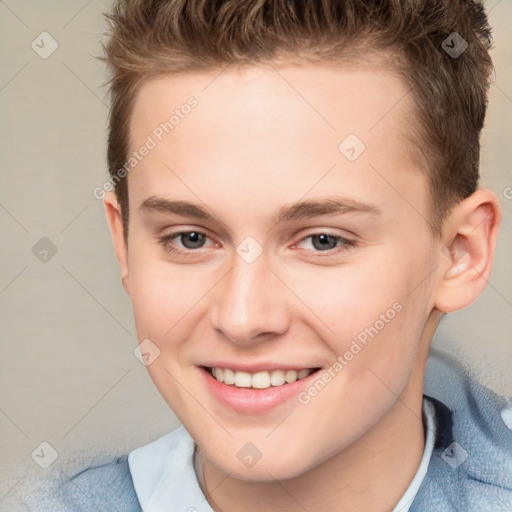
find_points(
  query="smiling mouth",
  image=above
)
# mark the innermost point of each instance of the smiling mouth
(258, 380)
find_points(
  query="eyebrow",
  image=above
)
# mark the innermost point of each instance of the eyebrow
(301, 210)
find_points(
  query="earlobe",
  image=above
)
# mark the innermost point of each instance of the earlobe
(124, 282)
(115, 222)
(469, 243)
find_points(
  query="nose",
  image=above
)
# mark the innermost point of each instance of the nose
(250, 303)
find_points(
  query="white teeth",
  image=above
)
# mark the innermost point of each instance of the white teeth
(259, 380)
(290, 376)
(277, 378)
(302, 373)
(242, 380)
(229, 376)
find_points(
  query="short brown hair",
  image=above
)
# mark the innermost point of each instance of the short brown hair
(148, 38)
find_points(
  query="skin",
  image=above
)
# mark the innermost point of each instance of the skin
(261, 138)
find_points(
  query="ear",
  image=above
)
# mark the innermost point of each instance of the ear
(115, 222)
(469, 241)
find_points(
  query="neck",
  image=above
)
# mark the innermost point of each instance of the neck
(372, 474)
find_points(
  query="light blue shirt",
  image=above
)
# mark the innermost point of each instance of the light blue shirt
(165, 480)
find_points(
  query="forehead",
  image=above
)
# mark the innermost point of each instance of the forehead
(265, 130)
(330, 98)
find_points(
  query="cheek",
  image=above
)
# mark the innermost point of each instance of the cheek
(375, 315)
(162, 294)
(166, 302)
(351, 298)
(377, 326)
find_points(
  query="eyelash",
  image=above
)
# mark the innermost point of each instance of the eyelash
(346, 244)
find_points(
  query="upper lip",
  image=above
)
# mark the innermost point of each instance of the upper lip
(259, 367)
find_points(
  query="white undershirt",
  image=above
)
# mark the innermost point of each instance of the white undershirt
(165, 480)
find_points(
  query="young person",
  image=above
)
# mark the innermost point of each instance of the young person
(294, 205)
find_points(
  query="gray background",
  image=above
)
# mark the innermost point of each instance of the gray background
(68, 375)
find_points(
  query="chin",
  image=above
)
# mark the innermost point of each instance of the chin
(279, 466)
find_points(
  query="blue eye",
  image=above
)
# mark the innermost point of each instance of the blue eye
(195, 239)
(189, 239)
(326, 245)
(325, 242)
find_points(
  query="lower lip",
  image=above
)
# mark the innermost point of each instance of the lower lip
(250, 400)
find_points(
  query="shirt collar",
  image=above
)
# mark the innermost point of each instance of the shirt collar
(163, 475)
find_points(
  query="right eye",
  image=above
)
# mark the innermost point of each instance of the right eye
(189, 240)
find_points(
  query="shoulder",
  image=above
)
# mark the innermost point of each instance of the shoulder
(106, 486)
(471, 466)
(92, 482)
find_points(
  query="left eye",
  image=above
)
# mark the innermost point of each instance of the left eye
(324, 241)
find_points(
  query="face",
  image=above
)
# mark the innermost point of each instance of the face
(277, 232)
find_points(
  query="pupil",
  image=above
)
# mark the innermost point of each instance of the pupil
(192, 238)
(324, 241)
